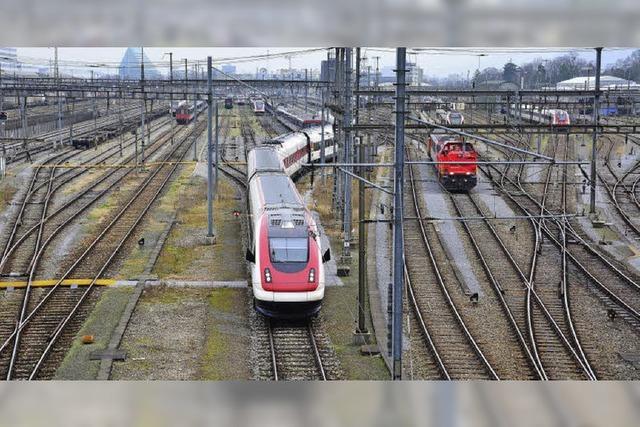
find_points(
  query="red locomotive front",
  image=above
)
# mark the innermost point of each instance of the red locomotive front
(460, 175)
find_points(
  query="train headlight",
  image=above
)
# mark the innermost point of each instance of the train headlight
(451, 173)
(312, 275)
(267, 275)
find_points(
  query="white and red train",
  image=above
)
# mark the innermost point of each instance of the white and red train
(258, 106)
(550, 116)
(286, 254)
(451, 117)
(185, 111)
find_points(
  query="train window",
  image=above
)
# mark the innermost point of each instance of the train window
(288, 249)
(3, 115)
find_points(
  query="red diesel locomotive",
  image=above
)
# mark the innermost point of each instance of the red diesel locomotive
(459, 176)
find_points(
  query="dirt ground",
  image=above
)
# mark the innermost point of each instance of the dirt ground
(186, 334)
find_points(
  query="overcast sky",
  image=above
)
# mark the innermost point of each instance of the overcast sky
(437, 63)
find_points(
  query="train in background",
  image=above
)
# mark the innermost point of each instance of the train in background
(297, 148)
(228, 103)
(186, 111)
(554, 117)
(460, 176)
(298, 120)
(175, 105)
(258, 106)
(286, 256)
(451, 117)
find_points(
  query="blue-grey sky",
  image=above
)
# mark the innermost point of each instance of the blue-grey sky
(437, 62)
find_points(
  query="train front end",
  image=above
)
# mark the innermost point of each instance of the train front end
(457, 163)
(288, 278)
(560, 119)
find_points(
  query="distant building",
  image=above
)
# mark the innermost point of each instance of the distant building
(228, 68)
(8, 59)
(589, 83)
(328, 70)
(415, 74)
(130, 65)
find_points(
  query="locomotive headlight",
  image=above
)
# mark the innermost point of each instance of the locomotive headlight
(312, 275)
(267, 275)
(468, 173)
(451, 173)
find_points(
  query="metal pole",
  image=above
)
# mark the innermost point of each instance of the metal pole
(209, 151)
(362, 250)
(348, 152)
(322, 119)
(306, 89)
(121, 121)
(216, 172)
(57, 75)
(2, 123)
(173, 122)
(195, 116)
(596, 122)
(73, 119)
(142, 107)
(398, 211)
(95, 116)
(186, 78)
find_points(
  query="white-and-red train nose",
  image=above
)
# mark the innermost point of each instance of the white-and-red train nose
(289, 258)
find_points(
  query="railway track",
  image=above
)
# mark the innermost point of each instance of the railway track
(23, 241)
(294, 351)
(541, 321)
(581, 264)
(621, 295)
(40, 339)
(455, 352)
(85, 128)
(554, 333)
(622, 189)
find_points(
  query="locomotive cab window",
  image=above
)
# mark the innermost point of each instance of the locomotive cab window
(288, 249)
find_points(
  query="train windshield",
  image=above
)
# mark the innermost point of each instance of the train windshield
(289, 249)
(458, 146)
(455, 118)
(561, 115)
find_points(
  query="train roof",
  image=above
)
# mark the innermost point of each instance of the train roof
(315, 132)
(262, 160)
(277, 189)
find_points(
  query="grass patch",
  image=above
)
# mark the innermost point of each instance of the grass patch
(101, 322)
(6, 194)
(227, 336)
(222, 299)
(185, 256)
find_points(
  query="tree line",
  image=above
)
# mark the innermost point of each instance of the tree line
(543, 72)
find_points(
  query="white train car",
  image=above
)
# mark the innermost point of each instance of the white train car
(550, 116)
(298, 148)
(258, 106)
(287, 271)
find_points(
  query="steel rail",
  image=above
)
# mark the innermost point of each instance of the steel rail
(539, 227)
(474, 345)
(316, 352)
(53, 339)
(144, 185)
(17, 243)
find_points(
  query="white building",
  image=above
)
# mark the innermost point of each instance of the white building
(8, 59)
(589, 83)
